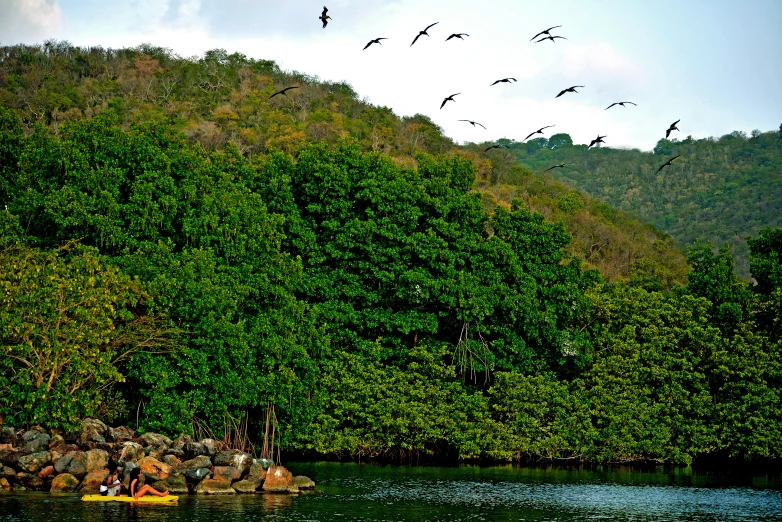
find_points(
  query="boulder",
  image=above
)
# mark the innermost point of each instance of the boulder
(229, 473)
(33, 482)
(62, 449)
(157, 441)
(121, 434)
(199, 462)
(174, 484)
(198, 474)
(45, 472)
(235, 458)
(181, 441)
(194, 449)
(214, 486)
(130, 452)
(155, 469)
(91, 482)
(211, 446)
(62, 463)
(64, 482)
(88, 462)
(4, 484)
(175, 463)
(92, 430)
(257, 471)
(35, 441)
(278, 480)
(8, 436)
(247, 486)
(56, 440)
(11, 457)
(302, 482)
(178, 453)
(7, 472)
(34, 462)
(71, 437)
(128, 467)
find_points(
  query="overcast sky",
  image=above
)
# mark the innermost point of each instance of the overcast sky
(714, 64)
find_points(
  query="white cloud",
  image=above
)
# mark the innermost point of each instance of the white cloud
(28, 21)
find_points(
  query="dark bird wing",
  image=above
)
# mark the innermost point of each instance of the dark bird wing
(546, 127)
(367, 45)
(615, 103)
(452, 36)
(530, 134)
(325, 22)
(560, 93)
(325, 10)
(444, 102)
(669, 162)
(495, 83)
(560, 37)
(674, 123)
(544, 39)
(415, 39)
(544, 32)
(429, 26)
(476, 123)
(492, 147)
(631, 103)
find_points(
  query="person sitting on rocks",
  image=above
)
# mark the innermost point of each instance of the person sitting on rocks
(111, 486)
(137, 490)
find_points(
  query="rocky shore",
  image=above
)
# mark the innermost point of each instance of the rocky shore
(38, 460)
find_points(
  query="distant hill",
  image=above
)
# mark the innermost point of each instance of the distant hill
(223, 100)
(719, 189)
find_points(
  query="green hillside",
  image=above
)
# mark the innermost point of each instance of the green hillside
(720, 189)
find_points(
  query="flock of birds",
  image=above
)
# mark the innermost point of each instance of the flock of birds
(324, 18)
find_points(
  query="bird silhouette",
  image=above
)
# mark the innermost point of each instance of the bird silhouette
(506, 80)
(560, 166)
(667, 163)
(539, 131)
(473, 123)
(283, 91)
(673, 127)
(324, 16)
(449, 98)
(420, 33)
(569, 89)
(552, 38)
(597, 140)
(457, 35)
(493, 147)
(376, 40)
(620, 103)
(544, 32)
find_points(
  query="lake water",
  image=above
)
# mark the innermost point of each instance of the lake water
(368, 492)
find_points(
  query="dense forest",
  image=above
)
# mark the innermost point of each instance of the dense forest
(719, 189)
(185, 256)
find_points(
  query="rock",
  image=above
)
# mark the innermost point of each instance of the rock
(229, 473)
(92, 430)
(257, 470)
(64, 482)
(4, 484)
(128, 467)
(88, 462)
(94, 424)
(130, 452)
(174, 484)
(121, 434)
(105, 446)
(235, 458)
(303, 482)
(198, 474)
(56, 440)
(178, 453)
(194, 449)
(155, 469)
(8, 436)
(45, 472)
(214, 486)
(92, 480)
(211, 446)
(62, 449)
(157, 441)
(33, 482)
(11, 457)
(62, 463)
(35, 441)
(6, 472)
(247, 486)
(293, 488)
(278, 480)
(181, 441)
(199, 462)
(34, 462)
(71, 437)
(266, 463)
(174, 462)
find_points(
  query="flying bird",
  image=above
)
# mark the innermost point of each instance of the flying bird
(552, 38)
(506, 80)
(667, 163)
(423, 32)
(544, 32)
(473, 123)
(620, 103)
(283, 91)
(493, 147)
(569, 89)
(449, 98)
(560, 166)
(456, 35)
(539, 131)
(597, 140)
(673, 127)
(376, 40)
(324, 16)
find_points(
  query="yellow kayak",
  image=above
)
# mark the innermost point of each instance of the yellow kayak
(146, 499)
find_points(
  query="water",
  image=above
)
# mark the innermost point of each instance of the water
(468, 493)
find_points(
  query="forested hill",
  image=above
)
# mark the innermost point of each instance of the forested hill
(719, 189)
(222, 100)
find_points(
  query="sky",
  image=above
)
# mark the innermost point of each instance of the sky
(714, 64)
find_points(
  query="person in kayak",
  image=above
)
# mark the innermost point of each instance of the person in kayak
(137, 490)
(111, 486)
